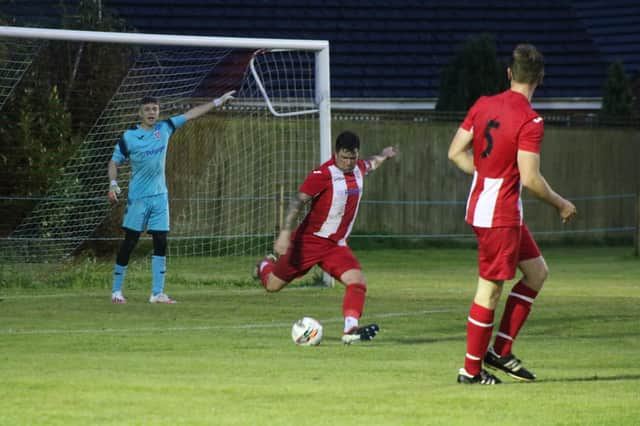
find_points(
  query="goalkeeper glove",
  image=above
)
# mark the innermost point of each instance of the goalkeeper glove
(113, 187)
(218, 102)
(114, 190)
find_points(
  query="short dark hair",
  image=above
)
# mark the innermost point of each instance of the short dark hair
(348, 141)
(149, 100)
(527, 64)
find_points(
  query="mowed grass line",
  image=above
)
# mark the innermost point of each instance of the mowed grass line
(223, 355)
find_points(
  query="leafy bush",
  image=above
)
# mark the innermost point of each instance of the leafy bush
(617, 102)
(473, 72)
(57, 101)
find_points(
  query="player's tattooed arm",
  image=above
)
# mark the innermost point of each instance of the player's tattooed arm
(294, 209)
(282, 243)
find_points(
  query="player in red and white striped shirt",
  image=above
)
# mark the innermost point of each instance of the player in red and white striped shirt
(499, 144)
(334, 190)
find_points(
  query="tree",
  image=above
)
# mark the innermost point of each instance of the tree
(57, 100)
(88, 73)
(473, 72)
(635, 89)
(617, 102)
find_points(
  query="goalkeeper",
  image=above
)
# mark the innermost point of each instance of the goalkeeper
(145, 147)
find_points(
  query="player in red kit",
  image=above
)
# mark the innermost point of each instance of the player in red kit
(499, 144)
(334, 190)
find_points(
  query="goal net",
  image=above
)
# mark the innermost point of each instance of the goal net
(229, 173)
(15, 58)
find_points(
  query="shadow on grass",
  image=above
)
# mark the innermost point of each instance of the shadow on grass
(621, 377)
(421, 340)
(624, 377)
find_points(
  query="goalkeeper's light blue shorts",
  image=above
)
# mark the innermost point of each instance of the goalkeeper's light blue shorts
(150, 213)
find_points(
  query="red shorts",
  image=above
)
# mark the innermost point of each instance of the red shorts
(310, 250)
(501, 249)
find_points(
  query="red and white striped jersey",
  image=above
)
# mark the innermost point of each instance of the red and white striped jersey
(502, 125)
(336, 198)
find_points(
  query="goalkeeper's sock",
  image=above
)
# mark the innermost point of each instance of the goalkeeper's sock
(119, 272)
(158, 268)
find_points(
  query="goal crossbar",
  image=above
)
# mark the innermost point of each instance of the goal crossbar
(162, 39)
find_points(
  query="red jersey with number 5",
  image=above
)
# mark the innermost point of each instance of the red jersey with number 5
(501, 124)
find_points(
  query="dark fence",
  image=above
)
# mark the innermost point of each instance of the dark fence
(423, 196)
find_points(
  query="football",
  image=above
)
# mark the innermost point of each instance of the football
(306, 332)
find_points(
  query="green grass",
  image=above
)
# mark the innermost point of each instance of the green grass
(223, 354)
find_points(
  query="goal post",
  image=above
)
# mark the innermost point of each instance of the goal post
(228, 172)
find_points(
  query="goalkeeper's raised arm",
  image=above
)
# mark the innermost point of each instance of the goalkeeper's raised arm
(200, 110)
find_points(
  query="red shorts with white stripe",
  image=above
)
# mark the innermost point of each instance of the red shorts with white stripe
(501, 249)
(309, 250)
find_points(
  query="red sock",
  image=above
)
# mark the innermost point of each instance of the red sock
(515, 314)
(265, 268)
(479, 328)
(353, 302)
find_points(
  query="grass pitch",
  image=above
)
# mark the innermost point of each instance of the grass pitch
(223, 354)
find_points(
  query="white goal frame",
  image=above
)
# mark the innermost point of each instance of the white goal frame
(320, 47)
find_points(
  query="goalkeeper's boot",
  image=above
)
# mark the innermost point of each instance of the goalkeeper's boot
(161, 298)
(509, 364)
(271, 258)
(118, 298)
(482, 378)
(360, 334)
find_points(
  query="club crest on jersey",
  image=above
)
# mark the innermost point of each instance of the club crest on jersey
(156, 134)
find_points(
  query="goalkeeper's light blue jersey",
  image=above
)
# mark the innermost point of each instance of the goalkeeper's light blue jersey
(146, 151)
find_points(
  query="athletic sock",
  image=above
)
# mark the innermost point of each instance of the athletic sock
(515, 314)
(264, 269)
(349, 323)
(479, 328)
(353, 301)
(119, 272)
(158, 269)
